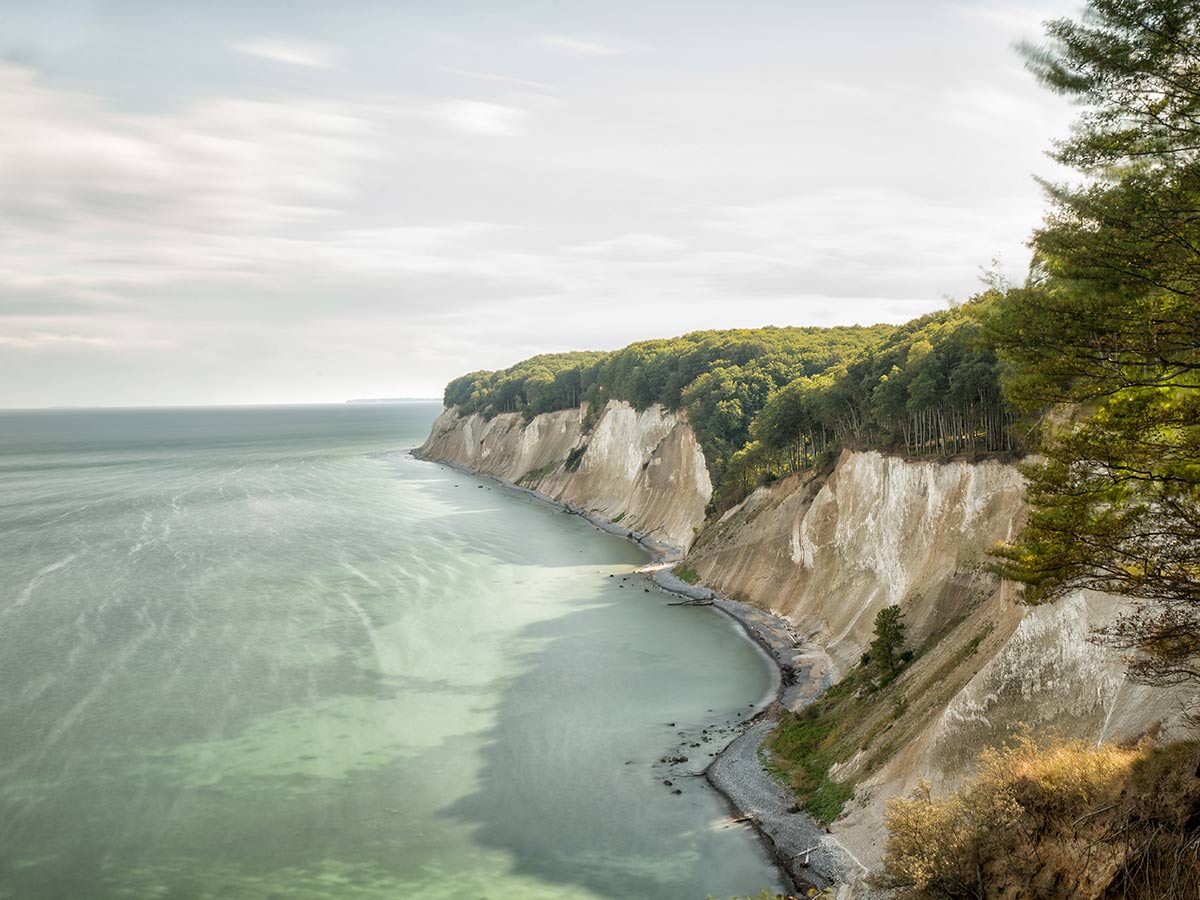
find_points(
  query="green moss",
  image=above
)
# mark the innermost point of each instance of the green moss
(686, 573)
(575, 457)
(829, 799)
(961, 655)
(805, 745)
(535, 475)
(772, 768)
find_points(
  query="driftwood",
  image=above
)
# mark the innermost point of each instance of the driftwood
(692, 603)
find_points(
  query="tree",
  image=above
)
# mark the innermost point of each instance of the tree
(1104, 341)
(886, 649)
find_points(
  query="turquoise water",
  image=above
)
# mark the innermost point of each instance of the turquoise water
(263, 653)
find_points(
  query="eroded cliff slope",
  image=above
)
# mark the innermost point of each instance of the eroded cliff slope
(829, 553)
(642, 469)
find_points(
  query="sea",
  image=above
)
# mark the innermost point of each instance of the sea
(264, 652)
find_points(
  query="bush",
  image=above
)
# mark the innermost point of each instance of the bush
(809, 894)
(1052, 820)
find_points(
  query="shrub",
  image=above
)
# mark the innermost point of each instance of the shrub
(1052, 820)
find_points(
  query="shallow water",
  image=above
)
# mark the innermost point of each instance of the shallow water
(262, 653)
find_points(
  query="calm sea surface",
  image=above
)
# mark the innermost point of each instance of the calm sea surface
(263, 653)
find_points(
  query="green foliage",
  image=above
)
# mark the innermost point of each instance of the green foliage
(931, 387)
(804, 749)
(574, 458)
(723, 378)
(1105, 342)
(535, 385)
(533, 476)
(767, 402)
(686, 573)
(1132, 65)
(889, 640)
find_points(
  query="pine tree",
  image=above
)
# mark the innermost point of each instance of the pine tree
(885, 650)
(1104, 341)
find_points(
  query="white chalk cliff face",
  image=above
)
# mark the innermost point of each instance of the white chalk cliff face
(644, 469)
(828, 554)
(880, 530)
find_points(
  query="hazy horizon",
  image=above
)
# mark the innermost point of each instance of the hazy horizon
(215, 205)
(264, 405)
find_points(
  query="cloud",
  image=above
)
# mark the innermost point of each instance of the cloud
(495, 78)
(633, 243)
(452, 198)
(71, 165)
(866, 242)
(479, 117)
(49, 340)
(588, 47)
(144, 229)
(99, 201)
(1017, 18)
(292, 51)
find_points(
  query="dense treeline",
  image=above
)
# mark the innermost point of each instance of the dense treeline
(932, 387)
(723, 378)
(533, 386)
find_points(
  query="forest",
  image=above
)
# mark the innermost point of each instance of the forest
(723, 378)
(770, 401)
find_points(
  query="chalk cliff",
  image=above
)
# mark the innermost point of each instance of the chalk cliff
(642, 469)
(827, 552)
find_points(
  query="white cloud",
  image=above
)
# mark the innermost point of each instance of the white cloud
(1023, 20)
(584, 47)
(51, 340)
(496, 78)
(142, 228)
(869, 240)
(478, 179)
(71, 163)
(634, 243)
(479, 117)
(292, 51)
(96, 198)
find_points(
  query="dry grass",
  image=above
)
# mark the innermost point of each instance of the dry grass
(1054, 820)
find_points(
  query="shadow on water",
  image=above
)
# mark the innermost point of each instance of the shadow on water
(572, 783)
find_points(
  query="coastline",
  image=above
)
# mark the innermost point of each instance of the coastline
(806, 855)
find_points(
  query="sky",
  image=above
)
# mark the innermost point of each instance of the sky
(291, 201)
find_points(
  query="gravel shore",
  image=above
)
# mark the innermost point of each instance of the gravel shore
(801, 847)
